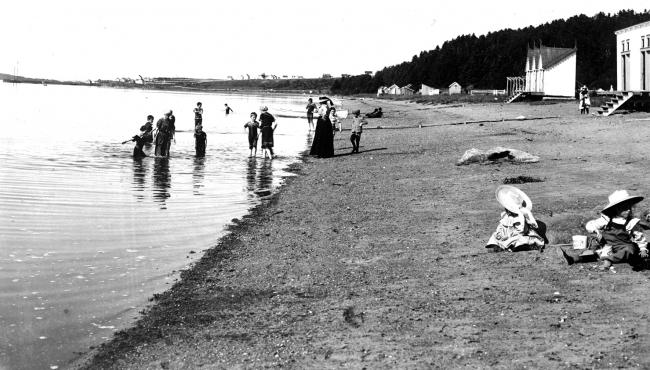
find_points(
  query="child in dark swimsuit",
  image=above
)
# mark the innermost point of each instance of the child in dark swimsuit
(201, 141)
(252, 127)
(139, 143)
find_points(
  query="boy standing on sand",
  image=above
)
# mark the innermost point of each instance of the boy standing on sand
(357, 128)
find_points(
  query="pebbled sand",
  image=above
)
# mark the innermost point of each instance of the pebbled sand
(376, 260)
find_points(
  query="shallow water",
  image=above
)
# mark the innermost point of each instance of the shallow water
(87, 233)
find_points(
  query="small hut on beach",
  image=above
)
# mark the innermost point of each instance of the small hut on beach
(407, 90)
(454, 88)
(428, 90)
(551, 71)
(393, 90)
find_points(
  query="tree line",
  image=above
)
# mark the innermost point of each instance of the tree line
(485, 61)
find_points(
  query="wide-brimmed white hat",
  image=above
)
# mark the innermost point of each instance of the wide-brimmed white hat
(620, 197)
(511, 198)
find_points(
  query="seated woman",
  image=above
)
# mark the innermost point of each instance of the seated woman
(618, 235)
(517, 229)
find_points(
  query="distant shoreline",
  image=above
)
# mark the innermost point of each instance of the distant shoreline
(307, 86)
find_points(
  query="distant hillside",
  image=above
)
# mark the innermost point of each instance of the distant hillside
(484, 62)
(302, 85)
(11, 78)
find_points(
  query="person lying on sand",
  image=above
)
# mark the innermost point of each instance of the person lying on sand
(517, 229)
(618, 235)
(377, 113)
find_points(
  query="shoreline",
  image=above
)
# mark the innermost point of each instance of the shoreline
(376, 259)
(142, 329)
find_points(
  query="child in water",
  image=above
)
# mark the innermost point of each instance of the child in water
(137, 149)
(198, 114)
(201, 141)
(618, 235)
(517, 228)
(146, 130)
(252, 127)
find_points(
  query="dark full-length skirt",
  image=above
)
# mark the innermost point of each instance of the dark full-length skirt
(163, 143)
(267, 137)
(323, 144)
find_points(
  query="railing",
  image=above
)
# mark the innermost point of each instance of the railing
(487, 92)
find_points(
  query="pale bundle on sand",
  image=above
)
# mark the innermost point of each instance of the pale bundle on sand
(498, 153)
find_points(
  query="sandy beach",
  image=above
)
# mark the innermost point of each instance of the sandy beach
(377, 259)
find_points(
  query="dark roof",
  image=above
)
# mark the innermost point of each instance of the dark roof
(550, 56)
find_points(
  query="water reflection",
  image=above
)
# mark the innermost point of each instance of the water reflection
(162, 180)
(139, 178)
(198, 175)
(251, 172)
(259, 177)
(264, 178)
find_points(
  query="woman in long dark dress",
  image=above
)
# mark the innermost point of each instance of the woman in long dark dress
(323, 144)
(266, 126)
(163, 137)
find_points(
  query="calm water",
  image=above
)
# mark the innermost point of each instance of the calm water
(87, 234)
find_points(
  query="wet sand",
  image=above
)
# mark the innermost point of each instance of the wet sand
(376, 260)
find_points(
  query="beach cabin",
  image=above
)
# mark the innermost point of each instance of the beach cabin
(407, 90)
(393, 90)
(633, 50)
(454, 88)
(632, 70)
(428, 90)
(551, 71)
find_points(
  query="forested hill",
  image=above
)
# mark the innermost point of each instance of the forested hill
(484, 62)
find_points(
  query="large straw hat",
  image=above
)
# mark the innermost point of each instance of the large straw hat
(264, 108)
(511, 198)
(621, 197)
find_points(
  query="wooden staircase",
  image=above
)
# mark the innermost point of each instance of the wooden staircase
(616, 102)
(514, 97)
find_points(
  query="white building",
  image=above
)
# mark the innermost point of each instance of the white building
(551, 71)
(428, 90)
(407, 90)
(633, 50)
(454, 88)
(393, 90)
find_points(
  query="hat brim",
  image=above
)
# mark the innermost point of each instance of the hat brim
(631, 200)
(506, 195)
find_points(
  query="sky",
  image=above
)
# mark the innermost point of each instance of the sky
(81, 39)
